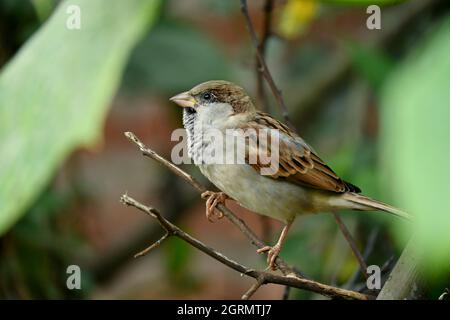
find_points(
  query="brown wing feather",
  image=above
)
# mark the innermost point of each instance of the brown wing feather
(299, 164)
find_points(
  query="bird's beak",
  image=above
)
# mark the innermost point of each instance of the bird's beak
(184, 100)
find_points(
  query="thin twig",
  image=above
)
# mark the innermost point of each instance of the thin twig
(153, 246)
(352, 243)
(330, 74)
(264, 70)
(266, 32)
(283, 266)
(370, 245)
(261, 276)
(286, 292)
(173, 230)
(259, 282)
(113, 259)
(263, 65)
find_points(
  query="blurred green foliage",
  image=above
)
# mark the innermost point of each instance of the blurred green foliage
(43, 8)
(39, 244)
(173, 57)
(18, 21)
(415, 143)
(363, 2)
(179, 259)
(62, 106)
(371, 63)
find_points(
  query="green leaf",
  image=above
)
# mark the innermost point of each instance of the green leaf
(415, 142)
(43, 8)
(55, 92)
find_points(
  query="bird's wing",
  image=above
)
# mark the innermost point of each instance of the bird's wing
(298, 163)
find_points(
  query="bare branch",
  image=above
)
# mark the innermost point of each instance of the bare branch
(352, 243)
(259, 282)
(264, 70)
(367, 252)
(175, 231)
(283, 266)
(153, 246)
(263, 65)
(286, 292)
(261, 276)
(266, 32)
(152, 154)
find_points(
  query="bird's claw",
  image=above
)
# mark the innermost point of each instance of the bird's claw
(213, 199)
(272, 254)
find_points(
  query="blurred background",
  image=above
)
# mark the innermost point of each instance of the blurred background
(373, 103)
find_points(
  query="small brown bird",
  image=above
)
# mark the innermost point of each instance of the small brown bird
(302, 184)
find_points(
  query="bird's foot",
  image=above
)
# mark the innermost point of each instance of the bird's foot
(272, 254)
(214, 198)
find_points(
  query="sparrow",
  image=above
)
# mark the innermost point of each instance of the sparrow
(302, 184)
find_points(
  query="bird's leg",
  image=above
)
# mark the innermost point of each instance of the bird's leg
(213, 199)
(272, 252)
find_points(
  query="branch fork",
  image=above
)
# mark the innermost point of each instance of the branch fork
(290, 276)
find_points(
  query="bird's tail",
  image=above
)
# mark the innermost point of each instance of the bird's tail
(360, 202)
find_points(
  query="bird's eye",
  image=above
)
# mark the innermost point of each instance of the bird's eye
(207, 96)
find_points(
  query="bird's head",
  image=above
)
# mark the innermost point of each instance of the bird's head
(214, 99)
